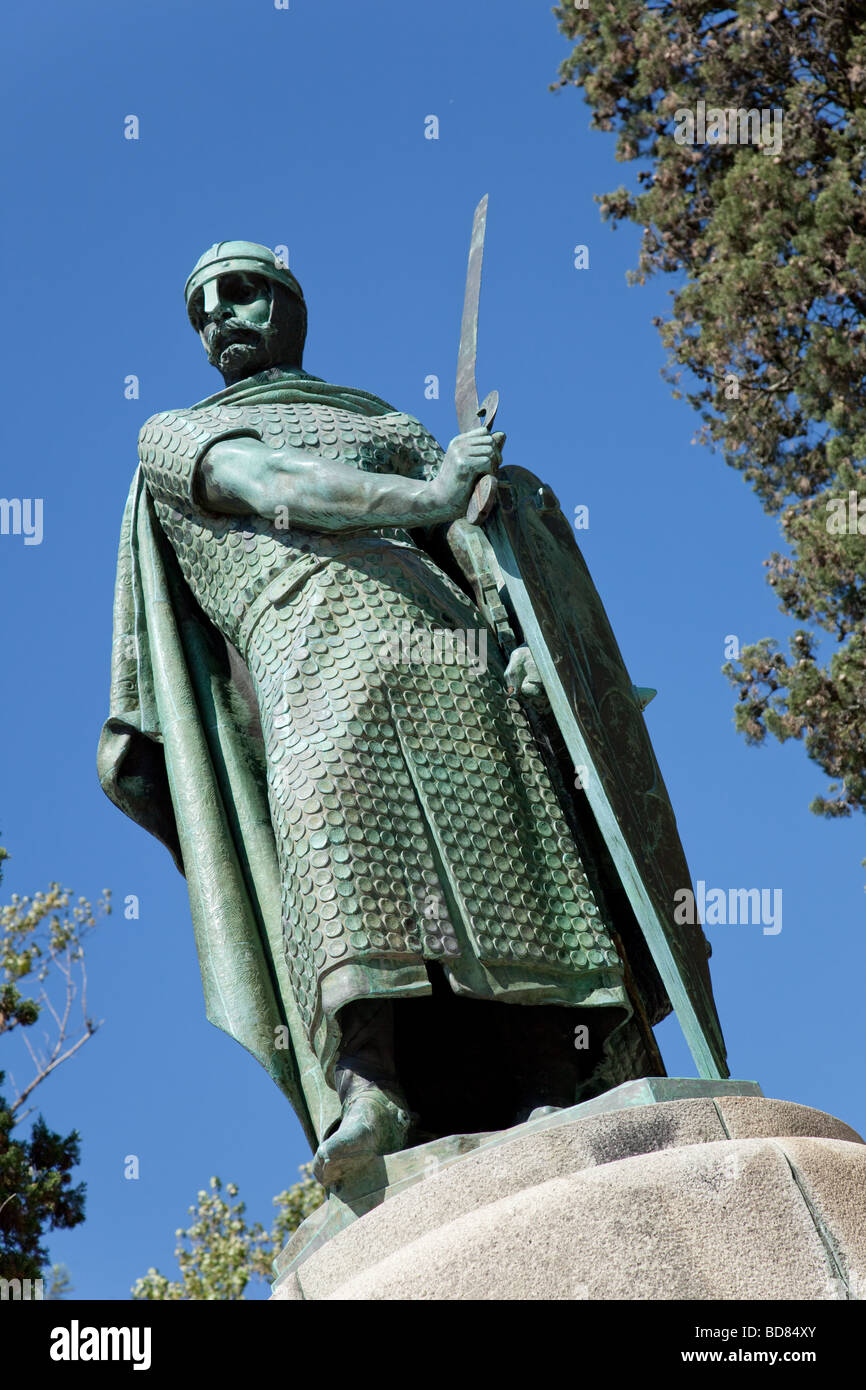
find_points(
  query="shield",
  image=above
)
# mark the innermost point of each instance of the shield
(550, 592)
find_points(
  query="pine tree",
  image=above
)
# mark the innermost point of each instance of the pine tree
(769, 240)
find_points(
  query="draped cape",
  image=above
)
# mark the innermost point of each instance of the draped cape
(181, 754)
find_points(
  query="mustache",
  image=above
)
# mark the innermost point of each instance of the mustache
(220, 335)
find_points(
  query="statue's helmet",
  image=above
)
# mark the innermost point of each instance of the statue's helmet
(228, 256)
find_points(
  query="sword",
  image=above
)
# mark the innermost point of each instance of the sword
(709, 1062)
(469, 413)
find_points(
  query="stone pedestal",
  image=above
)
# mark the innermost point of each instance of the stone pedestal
(661, 1189)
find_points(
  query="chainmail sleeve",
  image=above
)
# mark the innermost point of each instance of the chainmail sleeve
(414, 451)
(171, 446)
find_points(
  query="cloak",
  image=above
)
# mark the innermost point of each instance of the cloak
(181, 754)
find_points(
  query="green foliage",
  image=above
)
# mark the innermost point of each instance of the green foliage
(219, 1253)
(40, 938)
(36, 1193)
(769, 319)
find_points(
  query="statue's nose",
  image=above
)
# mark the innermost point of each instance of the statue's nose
(217, 315)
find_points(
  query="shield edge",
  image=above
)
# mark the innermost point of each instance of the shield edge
(708, 1052)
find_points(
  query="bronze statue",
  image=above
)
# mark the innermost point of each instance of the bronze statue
(354, 727)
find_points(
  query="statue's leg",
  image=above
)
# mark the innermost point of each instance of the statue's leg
(543, 1062)
(375, 1117)
(555, 1054)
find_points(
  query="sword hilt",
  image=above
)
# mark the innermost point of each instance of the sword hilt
(483, 498)
(487, 410)
(482, 501)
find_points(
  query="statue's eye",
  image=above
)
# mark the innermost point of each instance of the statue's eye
(196, 310)
(241, 289)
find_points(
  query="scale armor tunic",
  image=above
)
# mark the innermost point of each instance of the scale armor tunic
(414, 818)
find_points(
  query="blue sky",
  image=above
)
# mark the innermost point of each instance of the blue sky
(305, 128)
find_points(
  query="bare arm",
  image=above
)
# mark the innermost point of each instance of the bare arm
(244, 476)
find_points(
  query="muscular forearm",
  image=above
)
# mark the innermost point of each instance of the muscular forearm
(244, 476)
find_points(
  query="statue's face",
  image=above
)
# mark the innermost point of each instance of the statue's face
(232, 315)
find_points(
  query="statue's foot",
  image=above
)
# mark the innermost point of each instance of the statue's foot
(372, 1125)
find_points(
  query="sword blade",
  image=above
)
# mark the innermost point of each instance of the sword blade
(466, 396)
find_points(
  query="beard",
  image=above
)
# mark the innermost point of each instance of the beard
(239, 349)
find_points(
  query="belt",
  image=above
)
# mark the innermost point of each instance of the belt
(278, 591)
(295, 577)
